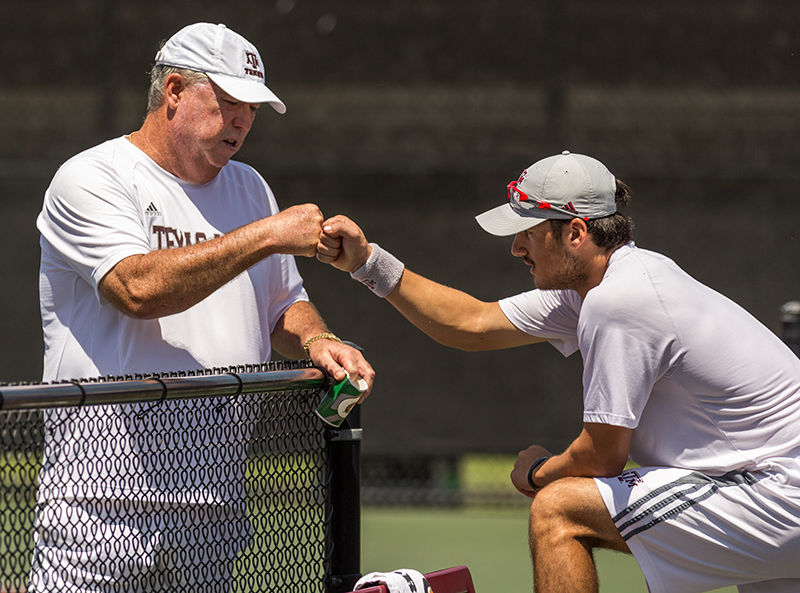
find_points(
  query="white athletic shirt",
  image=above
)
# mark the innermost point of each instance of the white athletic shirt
(703, 383)
(111, 202)
(108, 203)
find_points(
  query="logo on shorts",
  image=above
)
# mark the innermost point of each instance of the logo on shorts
(630, 478)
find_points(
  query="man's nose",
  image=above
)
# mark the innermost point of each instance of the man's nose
(516, 246)
(244, 117)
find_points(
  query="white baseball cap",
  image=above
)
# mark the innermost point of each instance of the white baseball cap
(229, 60)
(564, 186)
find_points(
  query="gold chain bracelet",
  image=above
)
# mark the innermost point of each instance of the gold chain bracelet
(322, 336)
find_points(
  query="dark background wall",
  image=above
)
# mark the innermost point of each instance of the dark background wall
(411, 117)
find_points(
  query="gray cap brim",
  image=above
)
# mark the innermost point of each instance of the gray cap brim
(502, 221)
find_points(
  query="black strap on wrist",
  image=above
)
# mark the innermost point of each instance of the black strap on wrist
(533, 468)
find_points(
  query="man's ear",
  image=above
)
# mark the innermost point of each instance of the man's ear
(577, 232)
(173, 88)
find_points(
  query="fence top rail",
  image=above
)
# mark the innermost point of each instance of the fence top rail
(157, 388)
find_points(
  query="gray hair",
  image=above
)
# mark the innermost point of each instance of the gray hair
(158, 79)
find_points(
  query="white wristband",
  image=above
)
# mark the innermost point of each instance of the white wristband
(381, 272)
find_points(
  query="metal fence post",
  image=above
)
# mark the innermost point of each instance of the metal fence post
(790, 322)
(344, 508)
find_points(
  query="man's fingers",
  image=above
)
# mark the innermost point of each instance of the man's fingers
(328, 250)
(356, 366)
(329, 241)
(528, 493)
(340, 226)
(342, 244)
(369, 376)
(333, 368)
(331, 227)
(338, 358)
(327, 259)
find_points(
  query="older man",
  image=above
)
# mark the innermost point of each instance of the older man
(676, 377)
(161, 253)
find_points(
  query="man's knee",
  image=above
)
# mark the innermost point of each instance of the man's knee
(572, 508)
(552, 507)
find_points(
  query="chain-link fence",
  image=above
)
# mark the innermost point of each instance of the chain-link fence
(216, 481)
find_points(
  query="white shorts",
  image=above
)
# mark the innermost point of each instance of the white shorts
(690, 532)
(129, 547)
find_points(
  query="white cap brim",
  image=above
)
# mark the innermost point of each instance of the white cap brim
(247, 91)
(503, 221)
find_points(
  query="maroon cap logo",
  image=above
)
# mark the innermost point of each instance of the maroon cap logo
(252, 59)
(251, 67)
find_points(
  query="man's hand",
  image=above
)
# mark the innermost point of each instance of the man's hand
(519, 475)
(342, 244)
(336, 358)
(301, 322)
(296, 230)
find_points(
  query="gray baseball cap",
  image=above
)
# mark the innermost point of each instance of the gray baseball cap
(564, 186)
(229, 60)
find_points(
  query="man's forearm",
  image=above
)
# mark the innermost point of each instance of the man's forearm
(449, 316)
(600, 450)
(454, 318)
(168, 281)
(300, 322)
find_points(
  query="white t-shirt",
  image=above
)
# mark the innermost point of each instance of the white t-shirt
(703, 383)
(108, 203)
(111, 202)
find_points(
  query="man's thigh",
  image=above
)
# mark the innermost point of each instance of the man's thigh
(692, 533)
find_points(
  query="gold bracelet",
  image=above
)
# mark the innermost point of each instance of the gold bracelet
(322, 336)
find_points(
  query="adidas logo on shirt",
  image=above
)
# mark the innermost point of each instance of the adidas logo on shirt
(151, 210)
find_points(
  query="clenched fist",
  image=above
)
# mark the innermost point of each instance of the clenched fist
(342, 244)
(519, 475)
(296, 230)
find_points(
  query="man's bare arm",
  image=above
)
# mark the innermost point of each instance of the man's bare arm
(168, 281)
(449, 316)
(453, 317)
(601, 450)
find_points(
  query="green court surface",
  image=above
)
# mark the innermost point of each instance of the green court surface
(492, 543)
